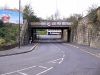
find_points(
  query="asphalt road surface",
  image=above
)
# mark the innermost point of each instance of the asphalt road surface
(51, 59)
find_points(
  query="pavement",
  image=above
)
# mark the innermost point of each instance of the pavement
(17, 50)
(52, 59)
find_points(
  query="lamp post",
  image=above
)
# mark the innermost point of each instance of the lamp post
(19, 22)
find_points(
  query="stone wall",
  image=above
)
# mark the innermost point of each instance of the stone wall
(24, 37)
(88, 32)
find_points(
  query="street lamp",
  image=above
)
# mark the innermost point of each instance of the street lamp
(19, 21)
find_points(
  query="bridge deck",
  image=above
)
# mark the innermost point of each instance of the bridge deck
(51, 25)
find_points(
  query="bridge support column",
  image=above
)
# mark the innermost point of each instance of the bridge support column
(62, 34)
(65, 34)
(34, 34)
(69, 35)
(31, 35)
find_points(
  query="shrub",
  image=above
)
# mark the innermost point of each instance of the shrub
(1, 23)
(2, 42)
(92, 14)
(8, 34)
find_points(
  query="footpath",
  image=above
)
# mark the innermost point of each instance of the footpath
(16, 50)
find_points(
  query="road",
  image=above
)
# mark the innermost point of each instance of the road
(49, 37)
(51, 59)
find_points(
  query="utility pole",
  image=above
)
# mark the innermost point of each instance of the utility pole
(19, 22)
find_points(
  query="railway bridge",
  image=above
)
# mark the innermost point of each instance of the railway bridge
(31, 28)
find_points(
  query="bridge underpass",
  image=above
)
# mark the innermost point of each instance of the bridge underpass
(64, 36)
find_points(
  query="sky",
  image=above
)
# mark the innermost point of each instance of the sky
(46, 8)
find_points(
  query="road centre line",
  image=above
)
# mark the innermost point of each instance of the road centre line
(60, 50)
(55, 61)
(44, 71)
(18, 70)
(51, 62)
(61, 61)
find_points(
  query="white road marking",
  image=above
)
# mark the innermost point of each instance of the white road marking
(22, 73)
(24, 68)
(47, 69)
(56, 61)
(63, 55)
(61, 61)
(51, 62)
(42, 67)
(61, 51)
(98, 56)
(44, 71)
(58, 48)
(18, 70)
(77, 47)
(90, 53)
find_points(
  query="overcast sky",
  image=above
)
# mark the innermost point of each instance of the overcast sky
(46, 8)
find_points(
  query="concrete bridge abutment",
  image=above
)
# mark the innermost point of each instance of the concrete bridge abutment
(66, 33)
